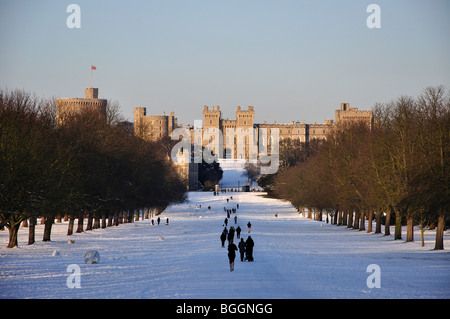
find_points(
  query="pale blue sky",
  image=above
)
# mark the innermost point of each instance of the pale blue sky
(291, 60)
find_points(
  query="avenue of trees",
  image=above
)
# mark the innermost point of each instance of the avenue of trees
(87, 168)
(398, 172)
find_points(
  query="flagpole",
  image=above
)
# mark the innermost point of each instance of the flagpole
(91, 76)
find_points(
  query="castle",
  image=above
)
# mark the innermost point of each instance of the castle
(154, 127)
(239, 137)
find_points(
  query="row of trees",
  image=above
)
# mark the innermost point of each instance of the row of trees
(86, 167)
(401, 167)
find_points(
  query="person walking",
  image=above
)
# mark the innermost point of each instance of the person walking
(232, 255)
(238, 232)
(223, 237)
(249, 248)
(242, 248)
(235, 219)
(249, 225)
(231, 235)
(158, 220)
(226, 221)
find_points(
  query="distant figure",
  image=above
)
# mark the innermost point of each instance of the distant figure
(226, 221)
(167, 221)
(231, 235)
(235, 219)
(249, 248)
(232, 255)
(158, 220)
(237, 206)
(276, 214)
(242, 248)
(223, 237)
(238, 232)
(249, 227)
(153, 222)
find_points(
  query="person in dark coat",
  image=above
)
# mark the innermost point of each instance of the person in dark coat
(238, 232)
(249, 227)
(231, 235)
(242, 248)
(232, 255)
(249, 248)
(223, 237)
(226, 221)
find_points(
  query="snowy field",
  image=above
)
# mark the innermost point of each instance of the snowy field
(233, 173)
(294, 258)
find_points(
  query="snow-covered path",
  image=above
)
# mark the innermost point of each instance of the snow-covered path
(294, 258)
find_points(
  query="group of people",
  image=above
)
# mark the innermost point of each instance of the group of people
(245, 247)
(159, 221)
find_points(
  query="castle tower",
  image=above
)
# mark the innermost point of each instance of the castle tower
(211, 123)
(351, 114)
(153, 127)
(245, 118)
(67, 107)
(211, 118)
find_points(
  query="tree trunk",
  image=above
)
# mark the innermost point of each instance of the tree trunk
(89, 222)
(387, 223)
(356, 221)
(116, 218)
(362, 224)
(70, 227)
(344, 218)
(48, 228)
(13, 232)
(350, 219)
(439, 244)
(370, 220)
(138, 212)
(146, 213)
(80, 222)
(409, 229)
(398, 225)
(104, 218)
(96, 221)
(378, 221)
(110, 218)
(32, 230)
(422, 230)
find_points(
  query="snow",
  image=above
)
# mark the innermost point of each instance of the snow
(233, 170)
(294, 258)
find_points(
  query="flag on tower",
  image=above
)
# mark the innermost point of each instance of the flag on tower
(93, 67)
